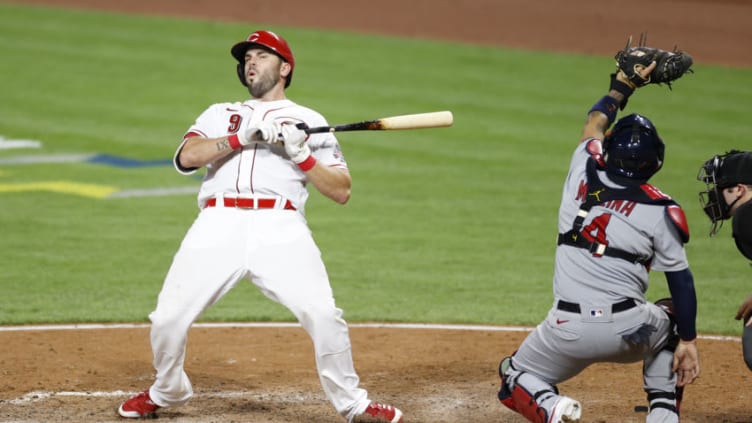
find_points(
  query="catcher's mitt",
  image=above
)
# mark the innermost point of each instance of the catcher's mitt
(670, 65)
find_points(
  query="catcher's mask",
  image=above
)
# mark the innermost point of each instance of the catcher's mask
(721, 172)
(269, 41)
(632, 150)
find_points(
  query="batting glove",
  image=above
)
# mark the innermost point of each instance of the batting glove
(296, 147)
(267, 131)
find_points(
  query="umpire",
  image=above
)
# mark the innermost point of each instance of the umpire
(728, 180)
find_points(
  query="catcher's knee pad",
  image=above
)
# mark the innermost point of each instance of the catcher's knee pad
(517, 398)
(505, 392)
(667, 305)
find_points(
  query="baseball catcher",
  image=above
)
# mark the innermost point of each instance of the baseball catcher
(614, 229)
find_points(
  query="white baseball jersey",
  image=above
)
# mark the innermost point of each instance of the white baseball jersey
(259, 169)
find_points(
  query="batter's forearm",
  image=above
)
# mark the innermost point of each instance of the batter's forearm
(198, 151)
(332, 182)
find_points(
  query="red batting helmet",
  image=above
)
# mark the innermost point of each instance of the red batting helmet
(268, 40)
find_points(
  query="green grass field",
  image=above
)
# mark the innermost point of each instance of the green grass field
(451, 225)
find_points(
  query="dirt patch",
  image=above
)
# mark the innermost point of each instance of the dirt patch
(713, 31)
(268, 374)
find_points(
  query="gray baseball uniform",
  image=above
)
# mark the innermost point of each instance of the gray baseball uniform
(600, 313)
(639, 228)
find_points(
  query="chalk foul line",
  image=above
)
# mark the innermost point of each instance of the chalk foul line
(426, 326)
(36, 396)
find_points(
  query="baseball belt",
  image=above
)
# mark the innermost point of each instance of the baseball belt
(250, 203)
(615, 308)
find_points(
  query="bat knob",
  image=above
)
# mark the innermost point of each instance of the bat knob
(301, 125)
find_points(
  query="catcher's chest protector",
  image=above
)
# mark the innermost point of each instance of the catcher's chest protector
(598, 193)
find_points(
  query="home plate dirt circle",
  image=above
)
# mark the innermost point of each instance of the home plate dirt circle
(248, 372)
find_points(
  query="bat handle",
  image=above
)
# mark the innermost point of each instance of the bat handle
(304, 127)
(301, 125)
(314, 130)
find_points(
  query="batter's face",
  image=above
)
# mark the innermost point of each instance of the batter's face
(264, 72)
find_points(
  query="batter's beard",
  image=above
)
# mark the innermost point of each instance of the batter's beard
(262, 85)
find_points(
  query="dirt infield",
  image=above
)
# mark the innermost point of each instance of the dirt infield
(714, 31)
(267, 374)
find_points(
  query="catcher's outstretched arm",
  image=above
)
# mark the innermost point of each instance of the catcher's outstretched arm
(603, 113)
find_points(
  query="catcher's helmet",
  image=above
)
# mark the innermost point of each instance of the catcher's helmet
(720, 172)
(632, 150)
(268, 40)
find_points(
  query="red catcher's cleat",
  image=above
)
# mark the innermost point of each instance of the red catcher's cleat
(138, 407)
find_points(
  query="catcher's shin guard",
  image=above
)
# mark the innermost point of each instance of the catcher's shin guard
(505, 394)
(664, 406)
(517, 398)
(664, 397)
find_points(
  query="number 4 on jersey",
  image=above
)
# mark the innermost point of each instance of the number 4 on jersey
(595, 231)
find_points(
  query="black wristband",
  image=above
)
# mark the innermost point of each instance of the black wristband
(622, 88)
(606, 105)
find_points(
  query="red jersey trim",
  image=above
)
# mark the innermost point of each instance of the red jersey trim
(191, 134)
(654, 193)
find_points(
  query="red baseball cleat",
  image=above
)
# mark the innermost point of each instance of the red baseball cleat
(383, 413)
(139, 406)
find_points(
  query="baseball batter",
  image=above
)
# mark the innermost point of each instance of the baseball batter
(252, 225)
(613, 229)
